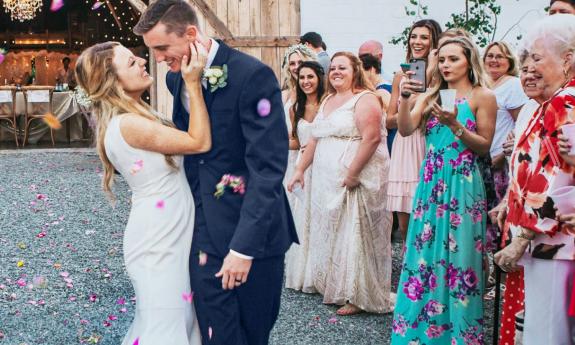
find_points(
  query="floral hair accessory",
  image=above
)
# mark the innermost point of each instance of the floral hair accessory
(297, 48)
(236, 183)
(82, 97)
(216, 76)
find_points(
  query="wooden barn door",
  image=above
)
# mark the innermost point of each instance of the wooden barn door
(261, 28)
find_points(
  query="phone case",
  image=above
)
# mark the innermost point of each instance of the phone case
(419, 66)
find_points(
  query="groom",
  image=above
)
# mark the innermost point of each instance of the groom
(240, 238)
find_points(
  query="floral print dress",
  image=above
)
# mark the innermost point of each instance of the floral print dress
(439, 297)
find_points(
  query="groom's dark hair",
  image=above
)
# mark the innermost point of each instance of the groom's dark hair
(176, 15)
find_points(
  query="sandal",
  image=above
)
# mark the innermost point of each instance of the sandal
(348, 309)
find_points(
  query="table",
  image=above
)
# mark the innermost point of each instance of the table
(64, 107)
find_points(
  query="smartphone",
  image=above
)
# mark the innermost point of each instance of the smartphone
(419, 66)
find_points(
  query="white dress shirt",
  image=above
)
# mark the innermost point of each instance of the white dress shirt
(185, 98)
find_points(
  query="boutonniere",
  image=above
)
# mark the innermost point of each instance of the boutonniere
(216, 76)
(236, 183)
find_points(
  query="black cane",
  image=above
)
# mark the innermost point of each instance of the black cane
(496, 306)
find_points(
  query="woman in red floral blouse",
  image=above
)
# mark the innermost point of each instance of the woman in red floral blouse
(545, 245)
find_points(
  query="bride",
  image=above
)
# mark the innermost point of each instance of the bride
(147, 151)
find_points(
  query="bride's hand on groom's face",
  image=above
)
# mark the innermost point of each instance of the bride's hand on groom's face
(234, 271)
(192, 67)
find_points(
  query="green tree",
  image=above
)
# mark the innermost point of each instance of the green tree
(479, 18)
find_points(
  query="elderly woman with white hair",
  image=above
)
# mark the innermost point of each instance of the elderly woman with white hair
(536, 239)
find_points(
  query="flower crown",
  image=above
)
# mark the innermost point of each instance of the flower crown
(297, 48)
(82, 97)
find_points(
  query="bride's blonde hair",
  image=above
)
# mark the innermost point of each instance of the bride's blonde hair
(96, 74)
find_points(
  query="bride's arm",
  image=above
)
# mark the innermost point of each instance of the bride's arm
(149, 135)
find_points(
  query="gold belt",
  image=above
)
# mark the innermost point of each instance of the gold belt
(346, 137)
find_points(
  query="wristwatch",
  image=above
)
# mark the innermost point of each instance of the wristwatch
(459, 132)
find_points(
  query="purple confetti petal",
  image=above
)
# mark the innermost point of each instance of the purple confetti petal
(264, 107)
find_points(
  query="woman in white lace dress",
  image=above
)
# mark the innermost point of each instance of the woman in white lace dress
(351, 228)
(310, 90)
(147, 151)
(293, 58)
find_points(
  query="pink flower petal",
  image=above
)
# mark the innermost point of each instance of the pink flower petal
(56, 5)
(188, 297)
(264, 107)
(97, 5)
(203, 258)
(137, 341)
(160, 204)
(210, 333)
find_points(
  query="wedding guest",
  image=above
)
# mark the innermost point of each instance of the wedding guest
(293, 58)
(536, 164)
(375, 49)
(143, 147)
(310, 90)
(513, 299)
(350, 227)
(65, 74)
(408, 151)
(502, 67)
(314, 41)
(440, 290)
(561, 7)
(372, 68)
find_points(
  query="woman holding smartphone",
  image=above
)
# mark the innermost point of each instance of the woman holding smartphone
(408, 151)
(439, 297)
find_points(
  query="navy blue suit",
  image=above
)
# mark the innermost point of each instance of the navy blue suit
(258, 223)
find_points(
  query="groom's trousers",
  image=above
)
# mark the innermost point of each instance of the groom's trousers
(244, 315)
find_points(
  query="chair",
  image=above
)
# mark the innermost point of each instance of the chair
(36, 99)
(8, 109)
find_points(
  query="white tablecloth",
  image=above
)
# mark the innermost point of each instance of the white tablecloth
(64, 106)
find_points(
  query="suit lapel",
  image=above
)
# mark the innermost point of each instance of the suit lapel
(219, 60)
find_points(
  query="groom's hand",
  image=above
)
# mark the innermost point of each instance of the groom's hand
(234, 271)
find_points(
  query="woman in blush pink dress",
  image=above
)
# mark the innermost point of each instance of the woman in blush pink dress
(407, 153)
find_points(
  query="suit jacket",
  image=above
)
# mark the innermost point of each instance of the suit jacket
(244, 143)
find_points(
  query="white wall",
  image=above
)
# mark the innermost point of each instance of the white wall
(345, 24)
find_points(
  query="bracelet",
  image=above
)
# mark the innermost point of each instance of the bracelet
(458, 132)
(524, 236)
(405, 95)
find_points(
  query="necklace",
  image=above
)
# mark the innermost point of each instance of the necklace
(460, 100)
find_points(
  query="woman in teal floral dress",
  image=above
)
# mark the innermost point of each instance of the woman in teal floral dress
(439, 297)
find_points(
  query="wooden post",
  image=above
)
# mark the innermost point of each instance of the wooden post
(138, 5)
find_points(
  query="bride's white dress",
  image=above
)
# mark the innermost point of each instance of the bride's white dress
(157, 243)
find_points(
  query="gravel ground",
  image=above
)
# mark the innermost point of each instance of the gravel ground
(62, 280)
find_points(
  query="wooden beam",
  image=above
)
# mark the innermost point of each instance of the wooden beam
(213, 19)
(138, 5)
(114, 13)
(262, 41)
